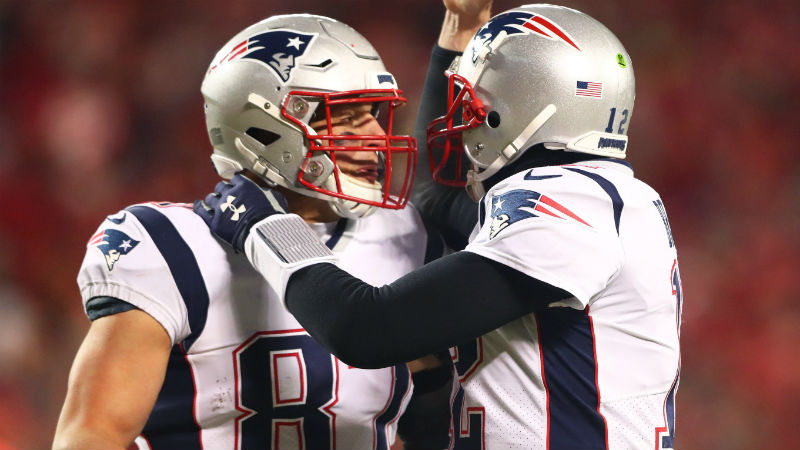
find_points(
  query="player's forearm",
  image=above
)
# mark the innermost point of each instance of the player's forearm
(86, 435)
(91, 425)
(372, 327)
(444, 303)
(448, 208)
(102, 423)
(346, 316)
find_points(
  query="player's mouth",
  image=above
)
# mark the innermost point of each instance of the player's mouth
(367, 173)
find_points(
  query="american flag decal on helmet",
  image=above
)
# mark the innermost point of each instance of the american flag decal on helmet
(589, 89)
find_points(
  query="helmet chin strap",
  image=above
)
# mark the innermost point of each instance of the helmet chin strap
(357, 188)
(476, 177)
(350, 209)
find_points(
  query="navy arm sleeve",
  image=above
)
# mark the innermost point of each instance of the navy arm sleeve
(449, 208)
(444, 303)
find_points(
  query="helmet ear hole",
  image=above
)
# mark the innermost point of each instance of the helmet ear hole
(493, 119)
(263, 136)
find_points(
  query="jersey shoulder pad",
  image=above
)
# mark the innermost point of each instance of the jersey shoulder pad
(555, 227)
(126, 258)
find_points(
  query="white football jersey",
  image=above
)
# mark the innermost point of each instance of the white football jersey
(243, 373)
(599, 370)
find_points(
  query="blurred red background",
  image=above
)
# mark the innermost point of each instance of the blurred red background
(100, 107)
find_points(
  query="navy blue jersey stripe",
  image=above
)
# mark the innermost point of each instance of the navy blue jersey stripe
(610, 189)
(182, 264)
(570, 370)
(338, 231)
(667, 441)
(171, 424)
(392, 411)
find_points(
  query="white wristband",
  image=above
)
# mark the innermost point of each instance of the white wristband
(282, 244)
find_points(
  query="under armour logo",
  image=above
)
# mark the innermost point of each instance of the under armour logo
(229, 204)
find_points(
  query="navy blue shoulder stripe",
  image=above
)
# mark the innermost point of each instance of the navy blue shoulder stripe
(610, 189)
(182, 264)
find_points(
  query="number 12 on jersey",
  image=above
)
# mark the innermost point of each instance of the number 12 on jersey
(468, 421)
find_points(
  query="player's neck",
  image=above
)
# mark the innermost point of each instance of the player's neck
(536, 156)
(312, 210)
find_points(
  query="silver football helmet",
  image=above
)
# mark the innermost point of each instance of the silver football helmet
(537, 74)
(267, 84)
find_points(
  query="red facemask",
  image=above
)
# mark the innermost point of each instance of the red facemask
(448, 162)
(397, 154)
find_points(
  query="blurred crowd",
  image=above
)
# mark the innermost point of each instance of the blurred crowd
(100, 107)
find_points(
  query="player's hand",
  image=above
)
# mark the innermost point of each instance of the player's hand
(468, 8)
(235, 206)
(462, 19)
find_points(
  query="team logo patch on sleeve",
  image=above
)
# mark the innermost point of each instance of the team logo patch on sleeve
(113, 244)
(520, 204)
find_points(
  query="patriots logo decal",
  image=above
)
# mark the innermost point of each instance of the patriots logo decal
(277, 49)
(518, 22)
(520, 204)
(113, 244)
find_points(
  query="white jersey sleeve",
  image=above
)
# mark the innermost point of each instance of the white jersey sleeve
(554, 225)
(123, 261)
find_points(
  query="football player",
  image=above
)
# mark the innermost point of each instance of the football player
(563, 311)
(189, 347)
